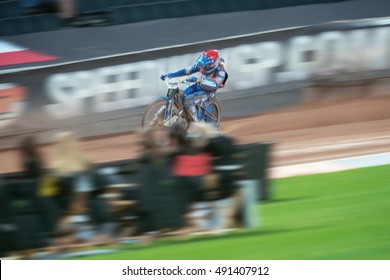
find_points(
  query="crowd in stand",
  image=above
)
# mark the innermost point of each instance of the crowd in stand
(66, 9)
(70, 12)
(184, 182)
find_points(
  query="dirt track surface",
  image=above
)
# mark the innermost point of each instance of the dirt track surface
(304, 133)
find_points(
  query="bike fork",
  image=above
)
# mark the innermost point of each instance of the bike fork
(168, 113)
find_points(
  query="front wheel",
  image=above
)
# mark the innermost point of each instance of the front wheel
(153, 115)
(153, 118)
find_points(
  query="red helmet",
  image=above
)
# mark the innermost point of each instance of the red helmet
(208, 61)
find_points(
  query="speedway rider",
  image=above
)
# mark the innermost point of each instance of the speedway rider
(213, 77)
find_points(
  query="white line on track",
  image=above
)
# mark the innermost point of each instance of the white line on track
(342, 145)
(327, 166)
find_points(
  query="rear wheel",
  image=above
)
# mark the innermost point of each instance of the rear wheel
(213, 113)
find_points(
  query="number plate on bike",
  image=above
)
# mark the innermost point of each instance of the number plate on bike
(171, 92)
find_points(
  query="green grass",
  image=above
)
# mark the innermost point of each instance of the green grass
(343, 215)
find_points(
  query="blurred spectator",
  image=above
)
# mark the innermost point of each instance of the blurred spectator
(159, 206)
(27, 219)
(35, 177)
(189, 162)
(86, 216)
(190, 165)
(227, 171)
(67, 10)
(6, 222)
(31, 161)
(178, 136)
(211, 157)
(226, 164)
(70, 167)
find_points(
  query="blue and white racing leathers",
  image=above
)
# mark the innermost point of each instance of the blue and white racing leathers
(199, 92)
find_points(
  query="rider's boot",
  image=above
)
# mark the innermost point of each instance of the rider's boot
(194, 113)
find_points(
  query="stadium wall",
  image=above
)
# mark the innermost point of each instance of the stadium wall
(267, 71)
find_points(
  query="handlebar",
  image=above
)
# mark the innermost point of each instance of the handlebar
(174, 82)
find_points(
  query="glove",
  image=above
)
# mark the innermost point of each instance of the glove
(163, 76)
(192, 79)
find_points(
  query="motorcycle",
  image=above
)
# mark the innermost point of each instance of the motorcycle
(168, 110)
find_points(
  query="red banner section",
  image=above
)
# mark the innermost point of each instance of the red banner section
(11, 54)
